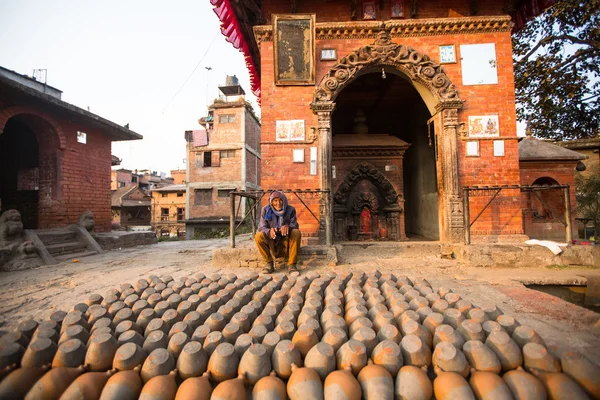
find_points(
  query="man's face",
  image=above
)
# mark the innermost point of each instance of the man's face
(277, 204)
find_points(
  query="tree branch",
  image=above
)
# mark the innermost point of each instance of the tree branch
(575, 40)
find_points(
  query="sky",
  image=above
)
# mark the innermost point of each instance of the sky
(128, 61)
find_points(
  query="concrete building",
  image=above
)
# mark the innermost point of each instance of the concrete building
(391, 107)
(55, 158)
(222, 155)
(168, 211)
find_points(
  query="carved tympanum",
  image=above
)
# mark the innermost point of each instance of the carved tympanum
(383, 51)
(366, 171)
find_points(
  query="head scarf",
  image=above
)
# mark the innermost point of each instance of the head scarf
(274, 195)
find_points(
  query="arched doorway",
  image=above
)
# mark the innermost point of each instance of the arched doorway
(29, 168)
(431, 125)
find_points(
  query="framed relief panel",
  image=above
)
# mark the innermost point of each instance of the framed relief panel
(294, 49)
(369, 10)
(397, 9)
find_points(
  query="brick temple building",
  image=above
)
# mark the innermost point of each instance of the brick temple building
(55, 158)
(392, 106)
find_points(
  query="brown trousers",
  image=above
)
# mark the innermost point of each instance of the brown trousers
(287, 246)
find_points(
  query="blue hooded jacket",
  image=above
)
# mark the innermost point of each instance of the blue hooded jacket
(268, 218)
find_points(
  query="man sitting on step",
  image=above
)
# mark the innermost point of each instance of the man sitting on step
(278, 232)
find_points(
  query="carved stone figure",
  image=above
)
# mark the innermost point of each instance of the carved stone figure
(86, 220)
(15, 251)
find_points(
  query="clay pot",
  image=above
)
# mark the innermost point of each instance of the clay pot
(16, 384)
(11, 353)
(508, 323)
(269, 388)
(124, 385)
(524, 334)
(304, 339)
(476, 315)
(176, 344)
(284, 355)
(4, 372)
(231, 332)
(161, 387)
(414, 351)
(201, 333)
(481, 357)
(159, 362)
(450, 385)
(376, 382)
(471, 330)
(254, 364)
(413, 383)
(155, 340)
(232, 389)
(560, 386)
(359, 323)
(416, 329)
(100, 353)
(223, 363)
(28, 327)
(53, 383)
(524, 385)
(368, 337)
(74, 332)
(582, 371)
(304, 383)
(537, 356)
(432, 321)
(506, 349)
(388, 355)
(449, 359)
(195, 388)
(87, 386)
(491, 326)
(487, 385)
(258, 333)
(321, 358)
(342, 385)
(352, 354)
(192, 361)
(389, 332)
(130, 337)
(181, 326)
(70, 354)
(128, 356)
(39, 353)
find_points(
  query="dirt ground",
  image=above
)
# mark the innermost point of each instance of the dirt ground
(38, 292)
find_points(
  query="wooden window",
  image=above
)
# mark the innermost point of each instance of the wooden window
(164, 214)
(164, 195)
(207, 159)
(180, 194)
(226, 118)
(227, 153)
(224, 193)
(180, 214)
(202, 197)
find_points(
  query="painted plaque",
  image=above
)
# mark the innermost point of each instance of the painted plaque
(369, 12)
(297, 129)
(483, 126)
(282, 131)
(397, 9)
(294, 49)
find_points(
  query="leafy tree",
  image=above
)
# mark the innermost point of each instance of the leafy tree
(588, 198)
(557, 71)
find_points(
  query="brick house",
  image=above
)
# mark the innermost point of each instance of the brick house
(222, 157)
(55, 158)
(168, 210)
(396, 106)
(130, 206)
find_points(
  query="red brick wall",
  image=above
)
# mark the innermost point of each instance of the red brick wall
(292, 102)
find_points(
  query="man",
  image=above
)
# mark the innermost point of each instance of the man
(278, 231)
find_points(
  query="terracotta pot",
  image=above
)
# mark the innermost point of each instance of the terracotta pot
(58, 317)
(359, 323)
(269, 388)
(506, 349)
(124, 385)
(129, 356)
(232, 389)
(491, 326)
(560, 386)
(254, 364)
(16, 384)
(582, 371)
(53, 383)
(304, 339)
(270, 341)
(70, 354)
(4, 372)
(231, 332)
(352, 354)
(212, 341)
(445, 333)
(11, 353)
(453, 317)
(321, 358)
(74, 332)
(413, 383)
(155, 340)
(524, 334)
(509, 324)
(192, 361)
(27, 328)
(449, 359)
(181, 326)
(195, 388)
(159, 362)
(481, 357)
(376, 382)
(304, 383)
(335, 337)
(414, 351)
(439, 306)
(450, 385)
(415, 328)
(487, 385)
(524, 385)
(161, 387)
(388, 355)
(100, 352)
(537, 356)
(39, 353)
(389, 332)
(176, 344)
(471, 330)
(201, 333)
(342, 385)
(87, 386)
(223, 363)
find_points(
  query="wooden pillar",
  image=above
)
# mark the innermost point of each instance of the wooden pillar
(568, 225)
(232, 221)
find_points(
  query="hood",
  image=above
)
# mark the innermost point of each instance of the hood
(278, 194)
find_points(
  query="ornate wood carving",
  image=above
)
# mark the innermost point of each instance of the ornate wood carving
(372, 153)
(366, 171)
(417, 66)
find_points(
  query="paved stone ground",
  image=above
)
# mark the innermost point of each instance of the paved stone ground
(39, 292)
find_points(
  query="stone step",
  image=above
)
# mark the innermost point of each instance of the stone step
(55, 236)
(65, 248)
(72, 256)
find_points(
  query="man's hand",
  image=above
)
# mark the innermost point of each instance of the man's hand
(285, 230)
(272, 233)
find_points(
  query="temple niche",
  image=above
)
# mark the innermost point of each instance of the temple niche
(368, 200)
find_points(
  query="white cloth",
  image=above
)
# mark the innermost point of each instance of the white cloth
(552, 246)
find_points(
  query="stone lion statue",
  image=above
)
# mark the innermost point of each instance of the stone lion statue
(86, 220)
(12, 244)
